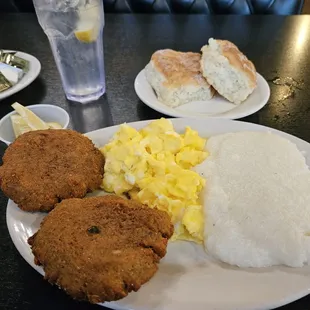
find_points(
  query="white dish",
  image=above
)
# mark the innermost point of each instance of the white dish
(187, 278)
(28, 78)
(217, 107)
(47, 112)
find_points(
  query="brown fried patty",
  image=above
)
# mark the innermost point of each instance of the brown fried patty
(101, 248)
(40, 168)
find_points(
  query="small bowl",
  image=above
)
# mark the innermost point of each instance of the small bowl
(47, 112)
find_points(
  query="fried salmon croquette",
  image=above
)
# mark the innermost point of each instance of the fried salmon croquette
(101, 248)
(42, 167)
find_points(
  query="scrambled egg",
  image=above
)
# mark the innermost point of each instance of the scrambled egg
(153, 166)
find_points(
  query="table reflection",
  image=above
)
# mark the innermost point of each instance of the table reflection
(91, 116)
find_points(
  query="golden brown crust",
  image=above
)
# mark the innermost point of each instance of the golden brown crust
(179, 68)
(238, 60)
(40, 168)
(101, 248)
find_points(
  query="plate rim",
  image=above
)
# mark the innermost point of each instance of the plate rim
(182, 114)
(114, 305)
(32, 75)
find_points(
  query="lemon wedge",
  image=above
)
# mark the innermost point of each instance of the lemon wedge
(87, 36)
(33, 121)
(88, 25)
(25, 120)
(19, 125)
(54, 125)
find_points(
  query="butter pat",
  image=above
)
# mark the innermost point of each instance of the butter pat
(12, 74)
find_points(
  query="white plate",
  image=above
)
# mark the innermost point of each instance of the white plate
(28, 78)
(217, 107)
(187, 278)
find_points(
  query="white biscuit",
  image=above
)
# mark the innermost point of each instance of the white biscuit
(176, 77)
(228, 70)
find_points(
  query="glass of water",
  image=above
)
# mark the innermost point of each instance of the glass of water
(74, 29)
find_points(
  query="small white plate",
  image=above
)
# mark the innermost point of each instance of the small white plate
(28, 78)
(217, 107)
(187, 278)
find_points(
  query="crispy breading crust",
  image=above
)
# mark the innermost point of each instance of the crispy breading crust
(101, 248)
(40, 168)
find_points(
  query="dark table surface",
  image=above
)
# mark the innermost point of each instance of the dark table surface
(278, 46)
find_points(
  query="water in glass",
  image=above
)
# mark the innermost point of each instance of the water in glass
(75, 32)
